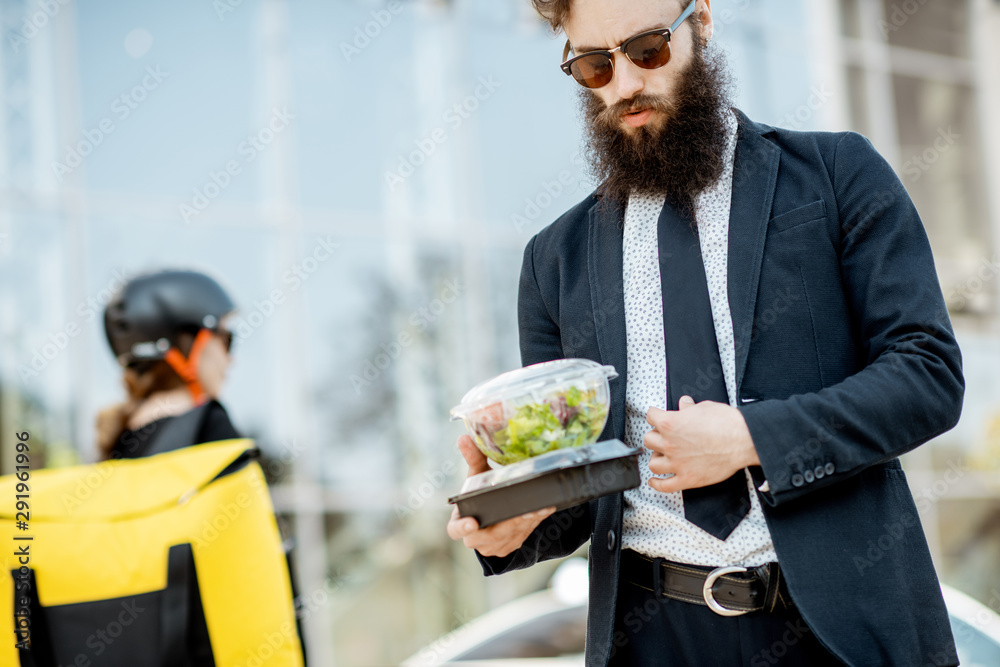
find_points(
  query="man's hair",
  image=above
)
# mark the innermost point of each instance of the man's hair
(553, 11)
(556, 11)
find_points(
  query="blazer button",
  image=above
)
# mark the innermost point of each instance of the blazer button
(809, 476)
(797, 480)
(611, 540)
(829, 467)
(820, 472)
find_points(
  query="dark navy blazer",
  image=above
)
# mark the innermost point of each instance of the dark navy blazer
(845, 359)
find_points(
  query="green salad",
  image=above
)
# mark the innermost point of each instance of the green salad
(570, 418)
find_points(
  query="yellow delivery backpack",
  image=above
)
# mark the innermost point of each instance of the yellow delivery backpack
(173, 560)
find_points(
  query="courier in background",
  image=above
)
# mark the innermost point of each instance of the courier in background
(168, 331)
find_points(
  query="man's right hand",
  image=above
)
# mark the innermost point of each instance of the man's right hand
(502, 538)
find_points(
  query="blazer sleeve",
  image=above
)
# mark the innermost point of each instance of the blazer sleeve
(911, 386)
(566, 531)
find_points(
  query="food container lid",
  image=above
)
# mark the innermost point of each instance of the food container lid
(560, 459)
(530, 379)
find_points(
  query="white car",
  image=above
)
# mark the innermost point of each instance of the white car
(549, 628)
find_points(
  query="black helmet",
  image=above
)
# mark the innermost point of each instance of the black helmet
(143, 320)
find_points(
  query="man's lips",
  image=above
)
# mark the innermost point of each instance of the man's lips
(637, 119)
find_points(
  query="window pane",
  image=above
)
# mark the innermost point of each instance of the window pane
(850, 21)
(942, 170)
(940, 26)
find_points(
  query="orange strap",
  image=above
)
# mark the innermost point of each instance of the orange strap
(187, 368)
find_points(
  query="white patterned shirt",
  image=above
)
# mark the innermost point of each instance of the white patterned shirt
(654, 522)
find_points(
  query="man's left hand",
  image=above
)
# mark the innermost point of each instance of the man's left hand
(700, 444)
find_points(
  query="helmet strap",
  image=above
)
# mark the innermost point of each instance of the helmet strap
(187, 367)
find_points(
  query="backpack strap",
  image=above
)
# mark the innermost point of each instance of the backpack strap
(180, 431)
(40, 654)
(176, 609)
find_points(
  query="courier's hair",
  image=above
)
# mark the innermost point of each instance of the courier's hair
(556, 11)
(141, 381)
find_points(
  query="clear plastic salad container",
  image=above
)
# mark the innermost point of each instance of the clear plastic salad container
(538, 409)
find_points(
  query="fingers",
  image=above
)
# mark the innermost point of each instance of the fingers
(526, 522)
(501, 538)
(476, 460)
(655, 415)
(660, 465)
(461, 527)
(669, 485)
(654, 441)
(659, 418)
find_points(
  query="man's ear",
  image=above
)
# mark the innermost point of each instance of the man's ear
(707, 26)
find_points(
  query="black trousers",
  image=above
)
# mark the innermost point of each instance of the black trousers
(656, 631)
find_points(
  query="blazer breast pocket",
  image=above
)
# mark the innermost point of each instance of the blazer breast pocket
(797, 216)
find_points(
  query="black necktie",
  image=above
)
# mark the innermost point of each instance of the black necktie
(694, 367)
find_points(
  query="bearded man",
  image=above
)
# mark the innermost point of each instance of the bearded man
(770, 302)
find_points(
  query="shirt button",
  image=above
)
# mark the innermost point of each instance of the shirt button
(820, 472)
(830, 468)
(809, 476)
(611, 540)
(797, 480)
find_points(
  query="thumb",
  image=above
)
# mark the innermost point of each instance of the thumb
(685, 402)
(476, 460)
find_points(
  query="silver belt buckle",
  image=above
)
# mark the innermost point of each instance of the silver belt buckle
(710, 600)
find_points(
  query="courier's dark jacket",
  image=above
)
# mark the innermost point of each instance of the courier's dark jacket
(845, 359)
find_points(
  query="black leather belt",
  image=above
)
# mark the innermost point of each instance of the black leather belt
(728, 591)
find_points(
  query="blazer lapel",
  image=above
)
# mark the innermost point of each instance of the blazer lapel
(755, 172)
(607, 293)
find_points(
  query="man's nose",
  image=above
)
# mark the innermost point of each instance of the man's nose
(628, 79)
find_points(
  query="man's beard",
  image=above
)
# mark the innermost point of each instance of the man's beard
(682, 155)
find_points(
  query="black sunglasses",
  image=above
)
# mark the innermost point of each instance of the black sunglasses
(227, 338)
(648, 50)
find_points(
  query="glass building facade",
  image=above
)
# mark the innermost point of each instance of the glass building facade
(363, 177)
